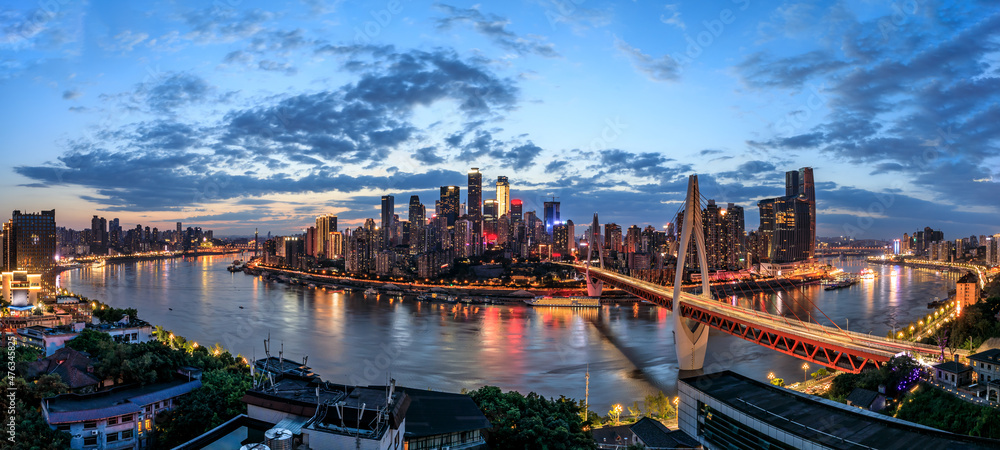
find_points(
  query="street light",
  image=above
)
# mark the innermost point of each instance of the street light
(805, 367)
(770, 376)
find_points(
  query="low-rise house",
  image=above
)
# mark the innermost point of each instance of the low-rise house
(866, 399)
(75, 368)
(952, 373)
(120, 418)
(986, 364)
(645, 432)
(50, 338)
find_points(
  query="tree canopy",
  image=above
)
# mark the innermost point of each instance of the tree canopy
(532, 421)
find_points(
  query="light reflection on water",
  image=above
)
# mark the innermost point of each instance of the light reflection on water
(350, 339)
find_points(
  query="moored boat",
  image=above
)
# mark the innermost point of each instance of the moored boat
(571, 302)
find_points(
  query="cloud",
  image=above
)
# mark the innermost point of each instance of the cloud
(495, 28)
(285, 144)
(126, 41)
(761, 70)
(220, 24)
(673, 16)
(427, 155)
(664, 68)
(72, 94)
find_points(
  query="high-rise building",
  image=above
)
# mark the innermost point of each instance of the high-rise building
(475, 201)
(550, 215)
(418, 214)
(516, 210)
(449, 204)
(30, 242)
(503, 196)
(788, 223)
(613, 237)
(386, 225)
(325, 225)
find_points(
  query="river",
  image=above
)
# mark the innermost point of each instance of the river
(628, 349)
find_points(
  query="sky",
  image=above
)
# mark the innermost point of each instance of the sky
(235, 114)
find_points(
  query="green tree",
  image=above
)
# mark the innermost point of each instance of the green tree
(822, 372)
(532, 421)
(779, 382)
(27, 353)
(218, 400)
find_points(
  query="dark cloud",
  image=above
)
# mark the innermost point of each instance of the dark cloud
(71, 94)
(556, 166)
(664, 68)
(495, 28)
(427, 155)
(764, 71)
(287, 144)
(174, 90)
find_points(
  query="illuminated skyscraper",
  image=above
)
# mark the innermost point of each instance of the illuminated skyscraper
(503, 196)
(325, 225)
(550, 215)
(475, 202)
(448, 205)
(516, 208)
(30, 242)
(418, 213)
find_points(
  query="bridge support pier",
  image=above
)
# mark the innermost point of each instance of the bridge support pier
(690, 337)
(594, 286)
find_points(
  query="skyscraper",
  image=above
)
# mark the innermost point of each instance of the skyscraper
(325, 225)
(788, 223)
(449, 204)
(417, 212)
(550, 215)
(475, 202)
(503, 196)
(30, 241)
(386, 227)
(516, 210)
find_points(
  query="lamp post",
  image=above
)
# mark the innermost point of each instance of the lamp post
(805, 367)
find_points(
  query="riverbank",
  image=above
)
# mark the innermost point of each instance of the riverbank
(477, 294)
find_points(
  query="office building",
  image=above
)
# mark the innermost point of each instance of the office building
(613, 237)
(448, 205)
(418, 214)
(475, 197)
(30, 242)
(729, 410)
(516, 210)
(386, 227)
(503, 196)
(788, 223)
(550, 215)
(325, 225)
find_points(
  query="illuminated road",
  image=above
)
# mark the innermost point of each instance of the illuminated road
(857, 344)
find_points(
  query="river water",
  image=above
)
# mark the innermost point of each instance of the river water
(627, 348)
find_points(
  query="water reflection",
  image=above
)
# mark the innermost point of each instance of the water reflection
(629, 348)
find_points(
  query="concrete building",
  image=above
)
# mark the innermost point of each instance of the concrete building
(121, 418)
(952, 373)
(21, 288)
(728, 410)
(967, 290)
(986, 365)
(51, 339)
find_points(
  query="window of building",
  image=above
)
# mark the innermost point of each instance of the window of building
(89, 425)
(112, 437)
(126, 435)
(90, 441)
(149, 425)
(64, 427)
(113, 421)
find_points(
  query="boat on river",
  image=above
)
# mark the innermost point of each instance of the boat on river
(566, 302)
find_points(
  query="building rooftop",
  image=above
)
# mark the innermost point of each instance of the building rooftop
(862, 397)
(73, 367)
(953, 367)
(433, 413)
(655, 434)
(824, 421)
(68, 408)
(991, 356)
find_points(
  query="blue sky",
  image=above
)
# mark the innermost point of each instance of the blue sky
(237, 114)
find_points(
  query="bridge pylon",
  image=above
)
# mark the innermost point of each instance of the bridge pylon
(594, 286)
(690, 337)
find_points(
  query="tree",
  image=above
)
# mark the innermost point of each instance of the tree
(218, 400)
(822, 372)
(531, 421)
(780, 382)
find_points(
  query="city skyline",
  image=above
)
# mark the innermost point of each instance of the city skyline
(238, 118)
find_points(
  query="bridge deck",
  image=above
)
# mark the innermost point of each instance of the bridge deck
(825, 345)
